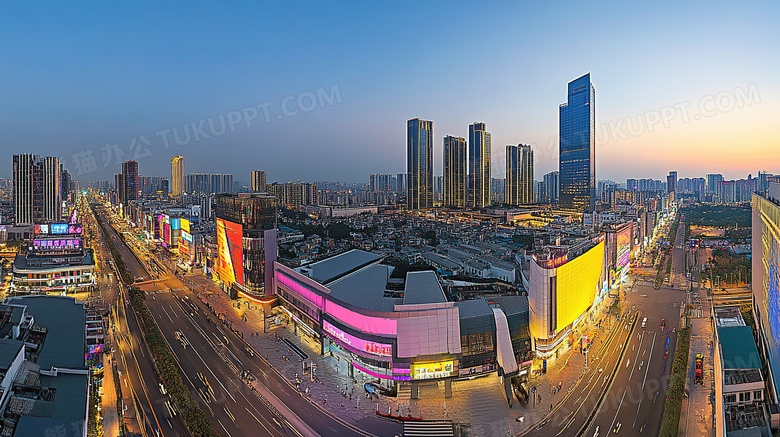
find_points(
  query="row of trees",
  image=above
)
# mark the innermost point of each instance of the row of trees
(194, 417)
(671, 418)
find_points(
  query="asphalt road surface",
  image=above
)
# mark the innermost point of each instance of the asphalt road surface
(635, 401)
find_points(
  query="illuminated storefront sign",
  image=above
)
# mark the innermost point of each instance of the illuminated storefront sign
(441, 369)
(185, 225)
(54, 245)
(370, 347)
(186, 236)
(74, 229)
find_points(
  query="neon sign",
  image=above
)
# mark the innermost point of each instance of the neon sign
(370, 347)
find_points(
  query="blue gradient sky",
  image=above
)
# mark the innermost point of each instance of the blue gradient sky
(79, 76)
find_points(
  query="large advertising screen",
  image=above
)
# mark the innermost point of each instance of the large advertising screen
(185, 225)
(623, 248)
(441, 369)
(230, 265)
(369, 347)
(59, 228)
(576, 285)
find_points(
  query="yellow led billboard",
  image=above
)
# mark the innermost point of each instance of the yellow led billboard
(185, 225)
(576, 285)
(441, 369)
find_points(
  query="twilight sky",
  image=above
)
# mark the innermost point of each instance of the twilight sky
(693, 87)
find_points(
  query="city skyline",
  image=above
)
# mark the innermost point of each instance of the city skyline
(102, 104)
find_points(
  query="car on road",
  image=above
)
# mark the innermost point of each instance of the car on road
(663, 322)
(644, 322)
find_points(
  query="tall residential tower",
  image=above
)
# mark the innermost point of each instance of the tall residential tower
(177, 176)
(519, 185)
(479, 166)
(454, 172)
(419, 164)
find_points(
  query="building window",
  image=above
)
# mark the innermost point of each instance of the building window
(757, 395)
(730, 398)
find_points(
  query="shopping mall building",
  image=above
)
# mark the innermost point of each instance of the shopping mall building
(402, 329)
(55, 261)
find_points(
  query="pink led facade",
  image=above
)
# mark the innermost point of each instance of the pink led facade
(369, 347)
(304, 292)
(367, 324)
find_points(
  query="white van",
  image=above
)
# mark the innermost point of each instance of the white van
(644, 322)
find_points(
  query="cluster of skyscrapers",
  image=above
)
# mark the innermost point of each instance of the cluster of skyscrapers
(468, 179)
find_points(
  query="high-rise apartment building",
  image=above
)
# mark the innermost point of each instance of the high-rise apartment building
(419, 164)
(258, 181)
(400, 183)
(632, 184)
(671, 182)
(519, 185)
(380, 182)
(177, 176)
(37, 189)
(454, 172)
(712, 182)
(129, 191)
(578, 146)
(221, 183)
(551, 187)
(479, 179)
(294, 194)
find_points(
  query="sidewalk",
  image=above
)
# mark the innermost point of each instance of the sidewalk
(479, 403)
(109, 402)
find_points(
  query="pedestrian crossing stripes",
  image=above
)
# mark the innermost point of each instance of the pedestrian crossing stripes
(428, 429)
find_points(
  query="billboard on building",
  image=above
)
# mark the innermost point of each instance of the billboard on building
(185, 226)
(230, 265)
(623, 248)
(576, 284)
(59, 228)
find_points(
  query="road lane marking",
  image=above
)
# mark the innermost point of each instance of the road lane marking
(166, 313)
(649, 358)
(258, 421)
(223, 427)
(618, 410)
(637, 356)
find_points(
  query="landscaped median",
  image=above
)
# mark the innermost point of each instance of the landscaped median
(673, 406)
(181, 396)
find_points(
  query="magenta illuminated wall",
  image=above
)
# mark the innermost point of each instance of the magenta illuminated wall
(367, 324)
(314, 298)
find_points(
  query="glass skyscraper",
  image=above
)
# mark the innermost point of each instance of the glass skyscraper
(479, 166)
(454, 171)
(577, 147)
(419, 164)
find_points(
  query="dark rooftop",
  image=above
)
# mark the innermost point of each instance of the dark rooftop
(66, 321)
(338, 266)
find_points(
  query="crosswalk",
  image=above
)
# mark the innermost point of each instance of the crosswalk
(428, 429)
